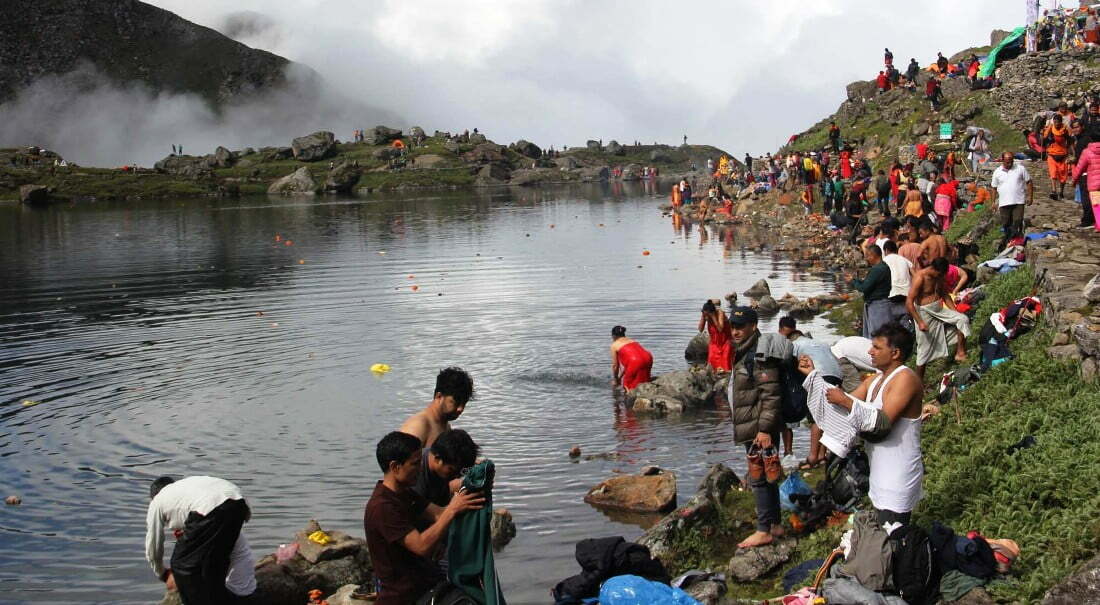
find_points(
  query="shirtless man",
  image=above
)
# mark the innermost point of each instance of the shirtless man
(933, 312)
(932, 246)
(631, 357)
(893, 445)
(453, 388)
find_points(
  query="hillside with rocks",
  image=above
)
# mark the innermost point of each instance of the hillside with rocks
(128, 42)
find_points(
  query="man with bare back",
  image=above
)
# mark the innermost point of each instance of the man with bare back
(453, 389)
(933, 312)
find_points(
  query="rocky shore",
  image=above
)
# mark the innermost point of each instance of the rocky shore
(319, 163)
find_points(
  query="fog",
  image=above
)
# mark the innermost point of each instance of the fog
(740, 75)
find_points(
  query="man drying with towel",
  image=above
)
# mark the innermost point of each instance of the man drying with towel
(939, 325)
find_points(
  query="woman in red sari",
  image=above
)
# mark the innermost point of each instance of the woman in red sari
(720, 349)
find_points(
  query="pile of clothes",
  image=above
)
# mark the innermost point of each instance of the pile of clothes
(602, 559)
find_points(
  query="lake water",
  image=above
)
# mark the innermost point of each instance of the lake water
(233, 338)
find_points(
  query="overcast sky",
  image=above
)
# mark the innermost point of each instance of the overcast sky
(739, 74)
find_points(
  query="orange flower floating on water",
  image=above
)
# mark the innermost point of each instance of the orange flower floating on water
(415, 288)
(645, 252)
(412, 277)
(301, 261)
(288, 243)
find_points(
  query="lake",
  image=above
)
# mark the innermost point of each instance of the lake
(234, 338)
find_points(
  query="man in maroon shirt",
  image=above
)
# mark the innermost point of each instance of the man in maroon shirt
(403, 554)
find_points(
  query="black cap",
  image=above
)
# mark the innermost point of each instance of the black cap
(743, 315)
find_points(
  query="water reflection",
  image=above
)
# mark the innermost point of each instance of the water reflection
(233, 339)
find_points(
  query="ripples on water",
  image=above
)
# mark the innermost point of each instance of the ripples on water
(189, 338)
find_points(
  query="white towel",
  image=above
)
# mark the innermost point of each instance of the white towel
(840, 427)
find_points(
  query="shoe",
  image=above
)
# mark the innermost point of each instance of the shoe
(1084, 228)
(773, 468)
(756, 465)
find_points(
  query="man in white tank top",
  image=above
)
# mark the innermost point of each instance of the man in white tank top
(888, 407)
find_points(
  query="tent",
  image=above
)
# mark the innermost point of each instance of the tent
(1014, 39)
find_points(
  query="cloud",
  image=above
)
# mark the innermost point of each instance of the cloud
(741, 75)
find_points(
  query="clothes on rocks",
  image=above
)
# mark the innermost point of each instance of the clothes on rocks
(842, 591)
(970, 554)
(470, 564)
(402, 575)
(938, 341)
(869, 560)
(955, 584)
(603, 558)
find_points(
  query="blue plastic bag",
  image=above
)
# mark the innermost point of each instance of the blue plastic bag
(792, 485)
(635, 590)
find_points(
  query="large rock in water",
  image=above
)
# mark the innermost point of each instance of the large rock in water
(34, 194)
(343, 177)
(316, 146)
(653, 490)
(697, 350)
(381, 135)
(1080, 588)
(502, 528)
(759, 289)
(300, 182)
(674, 392)
(699, 516)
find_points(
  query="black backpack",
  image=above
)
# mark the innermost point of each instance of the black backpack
(793, 403)
(916, 572)
(848, 479)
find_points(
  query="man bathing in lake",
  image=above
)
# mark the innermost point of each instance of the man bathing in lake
(453, 389)
(631, 363)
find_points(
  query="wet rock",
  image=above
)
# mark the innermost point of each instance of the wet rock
(502, 528)
(656, 404)
(696, 351)
(758, 289)
(343, 596)
(614, 148)
(767, 305)
(527, 149)
(652, 493)
(575, 451)
(707, 592)
(381, 135)
(750, 564)
(718, 482)
(1080, 588)
(343, 177)
(34, 194)
(1092, 290)
(300, 182)
(342, 545)
(313, 147)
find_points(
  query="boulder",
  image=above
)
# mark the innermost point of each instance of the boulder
(274, 154)
(657, 405)
(707, 592)
(34, 194)
(662, 157)
(718, 482)
(417, 132)
(697, 350)
(919, 129)
(527, 148)
(767, 305)
(299, 182)
(644, 493)
(567, 163)
(1092, 290)
(860, 91)
(502, 528)
(614, 148)
(750, 564)
(1080, 588)
(186, 165)
(632, 172)
(595, 173)
(223, 158)
(495, 172)
(1088, 338)
(313, 147)
(452, 146)
(343, 177)
(997, 36)
(381, 135)
(593, 145)
(478, 138)
(343, 596)
(759, 289)
(485, 153)
(385, 153)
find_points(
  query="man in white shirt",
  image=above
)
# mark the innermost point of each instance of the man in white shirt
(211, 563)
(1011, 187)
(901, 271)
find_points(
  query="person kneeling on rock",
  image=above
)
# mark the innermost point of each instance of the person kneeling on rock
(755, 401)
(403, 556)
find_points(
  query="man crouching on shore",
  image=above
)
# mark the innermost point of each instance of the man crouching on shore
(402, 554)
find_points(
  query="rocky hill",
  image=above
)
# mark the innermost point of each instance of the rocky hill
(881, 123)
(128, 41)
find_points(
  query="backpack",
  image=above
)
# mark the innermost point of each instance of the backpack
(847, 480)
(793, 404)
(916, 573)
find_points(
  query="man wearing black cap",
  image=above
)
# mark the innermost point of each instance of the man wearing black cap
(755, 400)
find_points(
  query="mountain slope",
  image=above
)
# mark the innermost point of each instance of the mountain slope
(128, 41)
